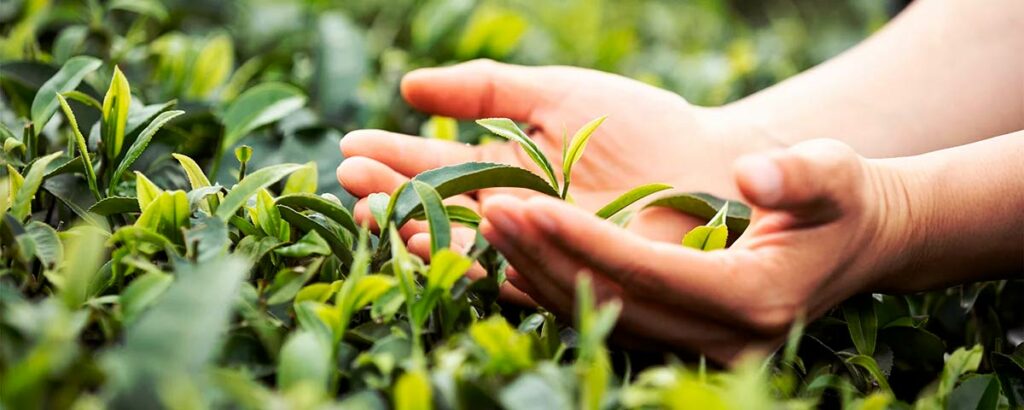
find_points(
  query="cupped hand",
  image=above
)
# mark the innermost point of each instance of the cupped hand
(651, 135)
(826, 224)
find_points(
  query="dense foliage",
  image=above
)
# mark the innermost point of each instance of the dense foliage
(167, 240)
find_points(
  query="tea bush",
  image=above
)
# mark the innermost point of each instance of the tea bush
(173, 234)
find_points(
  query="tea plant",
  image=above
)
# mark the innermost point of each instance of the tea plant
(158, 250)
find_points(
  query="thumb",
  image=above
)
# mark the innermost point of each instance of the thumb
(479, 89)
(817, 177)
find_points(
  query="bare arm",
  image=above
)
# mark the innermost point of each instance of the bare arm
(943, 73)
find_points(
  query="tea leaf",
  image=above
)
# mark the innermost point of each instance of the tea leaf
(142, 292)
(44, 105)
(115, 113)
(471, 176)
(140, 144)
(145, 190)
(248, 187)
(302, 181)
(83, 98)
(706, 238)
(212, 66)
(85, 253)
(441, 128)
(629, 198)
(196, 177)
(115, 205)
(508, 129)
(412, 391)
(862, 322)
(440, 228)
(962, 361)
(456, 213)
(83, 150)
(340, 64)
(48, 247)
(331, 210)
(504, 350)
(259, 106)
(21, 204)
(977, 392)
(575, 149)
(868, 363)
(705, 206)
(151, 8)
(304, 223)
(310, 244)
(268, 218)
(379, 203)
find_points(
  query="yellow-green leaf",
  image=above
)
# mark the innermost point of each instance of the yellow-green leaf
(115, 113)
(212, 66)
(412, 391)
(302, 181)
(21, 203)
(145, 190)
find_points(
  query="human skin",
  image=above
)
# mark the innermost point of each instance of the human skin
(927, 81)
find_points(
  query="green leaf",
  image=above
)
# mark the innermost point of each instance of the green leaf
(305, 224)
(116, 205)
(44, 105)
(115, 113)
(862, 323)
(868, 363)
(85, 252)
(310, 244)
(505, 351)
(212, 66)
(196, 177)
(145, 190)
(437, 217)
(412, 391)
(151, 8)
(706, 238)
(331, 210)
(629, 198)
(317, 292)
(977, 392)
(575, 149)
(166, 215)
(48, 247)
(207, 239)
(181, 332)
(441, 128)
(366, 290)
(471, 176)
(302, 181)
(248, 187)
(142, 292)
(243, 154)
(961, 362)
(705, 206)
(21, 204)
(305, 360)
(83, 98)
(259, 106)
(379, 204)
(1010, 370)
(268, 218)
(83, 150)
(140, 144)
(508, 129)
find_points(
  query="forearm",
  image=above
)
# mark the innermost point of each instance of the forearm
(943, 73)
(964, 215)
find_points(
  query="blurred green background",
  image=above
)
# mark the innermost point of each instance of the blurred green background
(349, 55)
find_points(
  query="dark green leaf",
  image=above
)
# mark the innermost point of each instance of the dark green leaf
(140, 144)
(115, 205)
(67, 79)
(331, 210)
(437, 218)
(305, 224)
(977, 392)
(862, 322)
(705, 206)
(471, 176)
(259, 106)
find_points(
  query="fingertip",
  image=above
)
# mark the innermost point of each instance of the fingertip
(759, 178)
(419, 244)
(359, 142)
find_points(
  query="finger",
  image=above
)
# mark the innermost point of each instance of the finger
(662, 224)
(545, 263)
(362, 176)
(483, 88)
(682, 276)
(406, 154)
(811, 177)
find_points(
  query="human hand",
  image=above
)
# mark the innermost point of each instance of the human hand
(827, 224)
(651, 136)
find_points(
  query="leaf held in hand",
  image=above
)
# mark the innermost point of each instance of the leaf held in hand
(629, 198)
(508, 129)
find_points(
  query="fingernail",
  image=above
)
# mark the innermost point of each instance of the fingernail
(763, 176)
